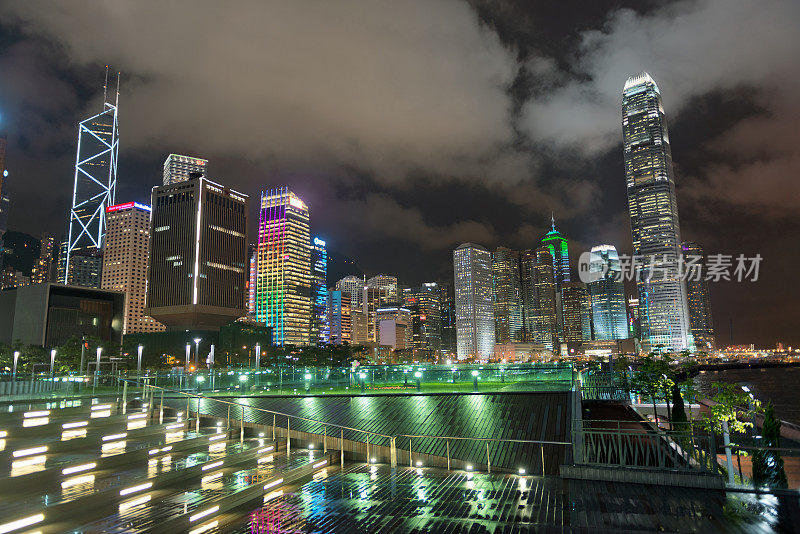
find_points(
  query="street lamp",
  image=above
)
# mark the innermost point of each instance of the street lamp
(308, 381)
(418, 375)
(188, 356)
(475, 380)
(196, 352)
(52, 362)
(97, 369)
(139, 362)
(258, 356)
(14, 373)
(362, 376)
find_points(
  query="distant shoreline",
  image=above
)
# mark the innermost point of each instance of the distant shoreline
(743, 365)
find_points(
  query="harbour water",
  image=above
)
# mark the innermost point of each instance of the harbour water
(781, 385)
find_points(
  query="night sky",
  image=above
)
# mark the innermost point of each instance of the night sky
(410, 127)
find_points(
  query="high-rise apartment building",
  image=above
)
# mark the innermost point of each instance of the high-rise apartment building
(283, 285)
(198, 254)
(426, 315)
(94, 190)
(339, 317)
(125, 263)
(386, 283)
(577, 313)
(698, 298)
(179, 168)
(43, 268)
(653, 210)
(507, 293)
(557, 245)
(472, 270)
(609, 317)
(320, 328)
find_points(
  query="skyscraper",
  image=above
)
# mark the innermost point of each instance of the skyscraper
(426, 315)
(125, 262)
(577, 313)
(507, 296)
(545, 322)
(388, 284)
(178, 168)
(196, 274)
(43, 268)
(700, 317)
(339, 317)
(609, 317)
(320, 328)
(653, 212)
(94, 190)
(283, 285)
(4, 196)
(448, 317)
(353, 286)
(557, 245)
(472, 270)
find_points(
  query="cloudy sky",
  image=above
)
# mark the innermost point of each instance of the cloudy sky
(410, 127)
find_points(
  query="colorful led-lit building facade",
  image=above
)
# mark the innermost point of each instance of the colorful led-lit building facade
(198, 254)
(125, 263)
(609, 314)
(94, 190)
(653, 210)
(697, 296)
(320, 328)
(557, 245)
(283, 281)
(179, 168)
(472, 273)
(507, 294)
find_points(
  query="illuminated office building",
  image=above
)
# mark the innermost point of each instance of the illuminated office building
(507, 296)
(542, 286)
(198, 254)
(179, 168)
(373, 298)
(394, 327)
(43, 268)
(386, 283)
(353, 286)
(283, 284)
(577, 313)
(609, 317)
(339, 317)
(94, 190)
(424, 302)
(653, 210)
(698, 298)
(125, 263)
(472, 273)
(320, 329)
(557, 245)
(448, 317)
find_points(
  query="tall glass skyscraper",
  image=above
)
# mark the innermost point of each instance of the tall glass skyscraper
(653, 213)
(283, 282)
(320, 328)
(507, 296)
(94, 190)
(178, 168)
(609, 315)
(697, 296)
(557, 245)
(472, 270)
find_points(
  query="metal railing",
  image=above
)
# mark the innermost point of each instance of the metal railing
(372, 441)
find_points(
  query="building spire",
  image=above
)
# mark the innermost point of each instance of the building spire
(116, 103)
(105, 89)
(553, 221)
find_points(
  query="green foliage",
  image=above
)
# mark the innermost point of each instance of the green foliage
(679, 420)
(731, 402)
(768, 465)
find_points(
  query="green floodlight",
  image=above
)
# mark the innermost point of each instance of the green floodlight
(242, 378)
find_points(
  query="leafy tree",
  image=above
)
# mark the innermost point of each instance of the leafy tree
(730, 401)
(679, 420)
(768, 465)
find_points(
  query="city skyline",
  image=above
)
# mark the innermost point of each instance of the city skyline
(350, 207)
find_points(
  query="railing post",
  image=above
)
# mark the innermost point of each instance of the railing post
(273, 427)
(448, 454)
(367, 448)
(124, 397)
(160, 408)
(241, 428)
(410, 462)
(228, 422)
(541, 446)
(341, 446)
(197, 425)
(288, 438)
(488, 460)
(188, 406)
(325, 439)
(393, 453)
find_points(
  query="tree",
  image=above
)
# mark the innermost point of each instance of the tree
(730, 402)
(768, 465)
(679, 420)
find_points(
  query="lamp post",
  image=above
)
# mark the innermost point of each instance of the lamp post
(83, 355)
(362, 376)
(97, 369)
(188, 356)
(308, 382)
(418, 376)
(258, 356)
(139, 363)
(197, 341)
(52, 362)
(475, 380)
(405, 377)
(14, 373)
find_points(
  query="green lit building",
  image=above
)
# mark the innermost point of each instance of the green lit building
(557, 245)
